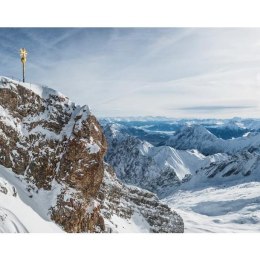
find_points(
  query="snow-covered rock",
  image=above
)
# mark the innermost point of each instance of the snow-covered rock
(52, 164)
(131, 209)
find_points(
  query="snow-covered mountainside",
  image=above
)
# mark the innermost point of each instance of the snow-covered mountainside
(158, 169)
(214, 193)
(198, 137)
(53, 170)
(222, 197)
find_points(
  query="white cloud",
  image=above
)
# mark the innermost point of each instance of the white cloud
(123, 72)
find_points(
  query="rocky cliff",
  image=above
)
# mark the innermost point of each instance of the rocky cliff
(56, 149)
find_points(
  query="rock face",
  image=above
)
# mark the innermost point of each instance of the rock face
(135, 206)
(50, 142)
(44, 137)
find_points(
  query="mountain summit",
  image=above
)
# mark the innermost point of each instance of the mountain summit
(52, 159)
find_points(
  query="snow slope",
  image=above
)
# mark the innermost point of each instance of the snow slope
(18, 213)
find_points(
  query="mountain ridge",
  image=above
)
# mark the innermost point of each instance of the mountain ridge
(198, 137)
(56, 150)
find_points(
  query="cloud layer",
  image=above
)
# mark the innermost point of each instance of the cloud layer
(136, 72)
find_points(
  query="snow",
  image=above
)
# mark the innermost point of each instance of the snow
(167, 157)
(219, 209)
(78, 114)
(145, 147)
(92, 205)
(44, 132)
(158, 169)
(21, 213)
(82, 114)
(7, 119)
(228, 201)
(136, 224)
(10, 223)
(93, 148)
(42, 91)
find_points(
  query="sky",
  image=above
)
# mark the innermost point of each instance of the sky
(170, 72)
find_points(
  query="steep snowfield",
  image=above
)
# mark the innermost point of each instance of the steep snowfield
(234, 208)
(18, 213)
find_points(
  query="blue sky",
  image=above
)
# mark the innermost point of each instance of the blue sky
(173, 72)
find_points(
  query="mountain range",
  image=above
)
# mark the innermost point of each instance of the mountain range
(64, 170)
(211, 182)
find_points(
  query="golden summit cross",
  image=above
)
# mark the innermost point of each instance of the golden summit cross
(23, 55)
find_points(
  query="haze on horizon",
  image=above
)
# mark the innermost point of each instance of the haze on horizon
(169, 72)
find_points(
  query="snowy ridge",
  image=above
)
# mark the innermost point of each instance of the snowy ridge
(198, 137)
(42, 91)
(54, 105)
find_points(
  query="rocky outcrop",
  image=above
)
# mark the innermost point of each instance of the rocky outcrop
(46, 137)
(55, 145)
(135, 205)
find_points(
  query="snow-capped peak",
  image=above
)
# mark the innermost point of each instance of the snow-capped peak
(42, 91)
